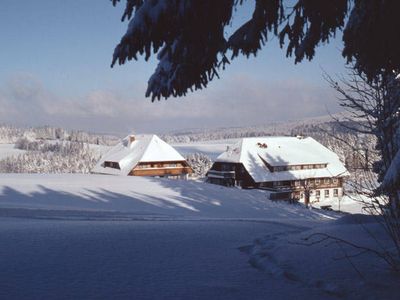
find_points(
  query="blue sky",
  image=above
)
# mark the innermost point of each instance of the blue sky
(55, 69)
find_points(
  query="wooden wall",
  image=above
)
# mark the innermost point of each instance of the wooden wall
(175, 168)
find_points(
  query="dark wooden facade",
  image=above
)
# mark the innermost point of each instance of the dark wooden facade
(230, 174)
(235, 174)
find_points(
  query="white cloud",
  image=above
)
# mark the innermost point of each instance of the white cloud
(236, 101)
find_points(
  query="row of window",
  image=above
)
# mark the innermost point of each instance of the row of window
(326, 193)
(115, 165)
(316, 181)
(162, 165)
(302, 183)
(298, 167)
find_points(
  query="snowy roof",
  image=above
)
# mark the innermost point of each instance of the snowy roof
(283, 151)
(145, 148)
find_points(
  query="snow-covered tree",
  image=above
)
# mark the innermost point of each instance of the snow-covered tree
(199, 162)
(9, 134)
(190, 37)
(49, 157)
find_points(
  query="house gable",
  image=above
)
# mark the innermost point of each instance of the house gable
(131, 155)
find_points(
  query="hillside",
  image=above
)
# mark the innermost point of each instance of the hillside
(142, 195)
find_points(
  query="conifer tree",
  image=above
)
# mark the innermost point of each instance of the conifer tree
(189, 36)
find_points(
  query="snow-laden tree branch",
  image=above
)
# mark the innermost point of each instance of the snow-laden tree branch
(190, 37)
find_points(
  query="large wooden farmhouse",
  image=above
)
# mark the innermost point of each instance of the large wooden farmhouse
(288, 167)
(143, 155)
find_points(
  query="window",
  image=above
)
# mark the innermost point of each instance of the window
(317, 193)
(335, 192)
(327, 181)
(335, 180)
(326, 193)
(279, 169)
(111, 164)
(317, 181)
(297, 183)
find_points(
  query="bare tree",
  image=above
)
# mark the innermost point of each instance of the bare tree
(374, 106)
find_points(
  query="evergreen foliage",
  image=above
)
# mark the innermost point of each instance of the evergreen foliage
(199, 162)
(189, 36)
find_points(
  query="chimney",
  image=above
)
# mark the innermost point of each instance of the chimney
(131, 139)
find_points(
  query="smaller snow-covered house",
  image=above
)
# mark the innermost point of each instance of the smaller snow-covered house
(288, 167)
(143, 155)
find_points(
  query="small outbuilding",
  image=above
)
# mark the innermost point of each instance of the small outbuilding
(143, 155)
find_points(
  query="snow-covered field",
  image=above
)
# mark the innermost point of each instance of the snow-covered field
(210, 148)
(75, 236)
(354, 204)
(7, 150)
(143, 196)
(131, 260)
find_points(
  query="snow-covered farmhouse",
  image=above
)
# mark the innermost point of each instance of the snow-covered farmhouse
(288, 167)
(143, 155)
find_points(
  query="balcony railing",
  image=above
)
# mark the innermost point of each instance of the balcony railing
(221, 174)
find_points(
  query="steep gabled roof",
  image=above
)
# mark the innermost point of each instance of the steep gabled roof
(254, 153)
(145, 148)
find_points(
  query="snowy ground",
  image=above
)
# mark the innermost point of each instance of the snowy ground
(334, 268)
(140, 196)
(7, 150)
(92, 236)
(132, 260)
(353, 204)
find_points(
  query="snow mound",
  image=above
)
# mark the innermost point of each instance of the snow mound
(357, 219)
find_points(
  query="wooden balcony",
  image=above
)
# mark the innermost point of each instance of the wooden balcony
(221, 174)
(161, 171)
